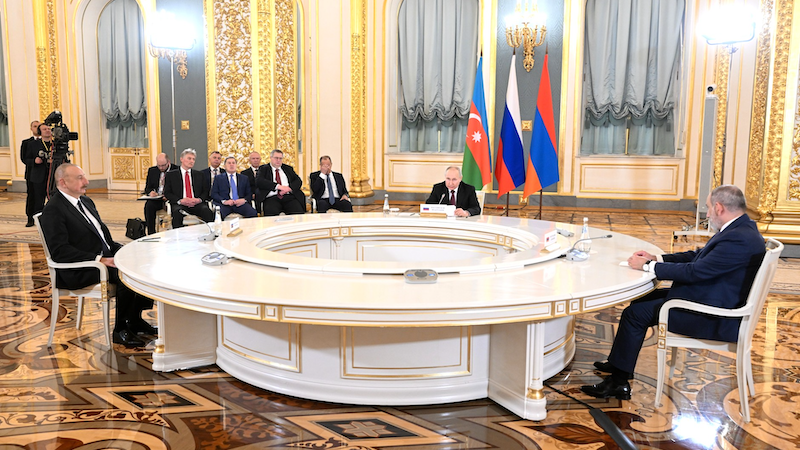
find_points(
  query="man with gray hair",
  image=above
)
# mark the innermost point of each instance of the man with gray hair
(720, 275)
(187, 190)
(279, 188)
(453, 191)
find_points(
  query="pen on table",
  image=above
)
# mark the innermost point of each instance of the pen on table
(153, 239)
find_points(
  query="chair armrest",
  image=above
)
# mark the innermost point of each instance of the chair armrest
(83, 265)
(663, 314)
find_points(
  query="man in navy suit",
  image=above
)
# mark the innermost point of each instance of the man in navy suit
(720, 275)
(74, 232)
(328, 188)
(231, 191)
(187, 190)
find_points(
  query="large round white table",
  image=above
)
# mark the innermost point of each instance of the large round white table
(317, 306)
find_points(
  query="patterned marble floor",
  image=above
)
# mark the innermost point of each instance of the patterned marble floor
(78, 395)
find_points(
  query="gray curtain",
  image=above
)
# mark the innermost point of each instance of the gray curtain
(3, 99)
(121, 41)
(438, 46)
(632, 56)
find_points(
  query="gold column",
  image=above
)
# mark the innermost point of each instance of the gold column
(359, 187)
(285, 82)
(251, 78)
(721, 76)
(773, 162)
(44, 16)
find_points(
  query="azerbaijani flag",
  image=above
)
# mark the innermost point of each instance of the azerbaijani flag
(510, 167)
(477, 165)
(543, 162)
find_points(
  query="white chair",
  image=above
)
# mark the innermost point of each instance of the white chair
(481, 198)
(101, 291)
(749, 313)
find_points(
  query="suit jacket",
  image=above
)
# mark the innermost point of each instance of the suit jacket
(318, 185)
(221, 190)
(720, 274)
(207, 173)
(29, 151)
(465, 197)
(266, 183)
(252, 177)
(153, 175)
(70, 238)
(173, 186)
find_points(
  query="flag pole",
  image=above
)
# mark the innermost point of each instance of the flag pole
(507, 194)
(539, 216)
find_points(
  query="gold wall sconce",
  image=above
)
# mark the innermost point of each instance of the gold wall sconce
(526, 27)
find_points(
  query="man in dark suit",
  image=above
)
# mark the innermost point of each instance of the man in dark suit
(328, 188)
(74, 232)
(279, 187)
(453, 191)
(720, 275)
(231, 192)
(35, 173)
(213, 169)
(154, 187)
(252, 173)
(187, 190)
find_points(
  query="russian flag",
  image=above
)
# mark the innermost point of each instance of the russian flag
(543, 162)
(477, 164)
(510, 167)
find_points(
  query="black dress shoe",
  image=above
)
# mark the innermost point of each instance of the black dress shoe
(608, 388)
(128, 339)
(29, 224)
(605, 366)
(141, 327)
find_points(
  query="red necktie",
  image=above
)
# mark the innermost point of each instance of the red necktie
(278, 181)
(452, 197)
(188, 182)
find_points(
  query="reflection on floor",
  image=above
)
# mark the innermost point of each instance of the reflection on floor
(79, 396)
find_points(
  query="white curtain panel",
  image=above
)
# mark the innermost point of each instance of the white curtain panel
(438, 45)
(632, 56)
(120, 42)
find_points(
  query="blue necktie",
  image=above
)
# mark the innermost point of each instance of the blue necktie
(234, 193)
(331, 199)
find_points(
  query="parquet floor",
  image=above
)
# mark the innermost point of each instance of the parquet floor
(78, 395)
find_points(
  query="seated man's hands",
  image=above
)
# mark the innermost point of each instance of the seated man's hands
(639, 259)
(190, 202)
(283, 189)
(461, 213)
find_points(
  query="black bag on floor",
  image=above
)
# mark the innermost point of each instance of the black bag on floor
(135, 228)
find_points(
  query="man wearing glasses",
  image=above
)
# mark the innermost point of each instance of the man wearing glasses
(154, 187)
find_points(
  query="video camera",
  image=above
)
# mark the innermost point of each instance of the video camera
(59, 153)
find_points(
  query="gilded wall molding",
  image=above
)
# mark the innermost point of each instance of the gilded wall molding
(794, 165)
(44, 16)
(53, 49)
(265, 85)
(722, 62)
(43, 81)
(360, 187)
(759, 111)
(772, 153)
(286, 117)
(230, 75)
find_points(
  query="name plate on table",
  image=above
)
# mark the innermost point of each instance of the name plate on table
(433, 210)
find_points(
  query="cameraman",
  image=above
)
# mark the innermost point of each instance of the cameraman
(36, 170)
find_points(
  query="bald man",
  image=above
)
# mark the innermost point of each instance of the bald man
(154, 187)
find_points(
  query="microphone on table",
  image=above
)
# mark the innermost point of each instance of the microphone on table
(206, 237)
(577, 255)
(440, 199)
